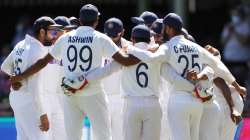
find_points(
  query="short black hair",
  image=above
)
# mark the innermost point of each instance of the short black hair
(139, 39)
(88, 23)
(36, 31)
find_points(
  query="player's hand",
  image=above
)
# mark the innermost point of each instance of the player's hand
(192, 75)
(242, 91)
(236, 117)
(153, 50)
(16, 78)
(16, 85)
(124, 49)
(71, 86)
(44, 126)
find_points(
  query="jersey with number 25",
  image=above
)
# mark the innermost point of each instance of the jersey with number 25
(184, 55)
(81, 51)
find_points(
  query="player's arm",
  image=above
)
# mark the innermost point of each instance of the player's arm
(80, 82)
(125, 60)
(207, 73)
(222, 85)
(178, 82)
(161, 55)
(220, 69)
(110, 50)
(225, 89)
(102, 72)
(55, 53)
(41, 63)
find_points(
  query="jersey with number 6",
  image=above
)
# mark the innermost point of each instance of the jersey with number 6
(142, 79)
(81, 51)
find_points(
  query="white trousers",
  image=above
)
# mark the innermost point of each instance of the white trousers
(210, 121)
(26, 118)
(57, 129)
(184, 114)
(115, 103)
(141, 118)
(95, 107)
(227, 126)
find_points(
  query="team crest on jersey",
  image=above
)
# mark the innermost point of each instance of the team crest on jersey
(110, 25)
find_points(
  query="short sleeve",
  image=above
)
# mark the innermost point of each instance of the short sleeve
(7, 65)
(56, 51)
(109, 47)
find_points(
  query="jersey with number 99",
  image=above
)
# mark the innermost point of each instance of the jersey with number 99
(81, 51)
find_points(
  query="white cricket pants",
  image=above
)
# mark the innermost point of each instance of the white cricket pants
(227, 126)
(57, 129)
(115, 103)
(26, 117)
(184, 114)
(142, 118)
(165, 89)
(210, 121)
(95, 107)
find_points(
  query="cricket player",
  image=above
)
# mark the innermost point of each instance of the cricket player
(53, 78)
(29, 103)
(156, 27)
(81, 51)
(146, 18)
(210, 119)
(231, 109)
(140, 89)
(113, 27)
(183, 55)
(65, 22)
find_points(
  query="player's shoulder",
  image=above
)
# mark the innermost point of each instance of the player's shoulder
(100, 35)
(20, 44)
(165, 46)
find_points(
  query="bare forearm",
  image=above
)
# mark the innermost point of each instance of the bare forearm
(126, 60)
(41, 63)
(222, 85)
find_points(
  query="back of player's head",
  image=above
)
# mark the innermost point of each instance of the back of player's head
(88, 14)
(146, 17)
(141, 33)
(74, 21)
(113, 27)
(173, 20)
(157, 26)
(44, 22)
(64, 21)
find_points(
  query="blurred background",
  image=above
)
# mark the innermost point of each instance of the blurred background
(224, 24)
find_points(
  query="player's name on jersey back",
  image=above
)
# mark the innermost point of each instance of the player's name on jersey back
(78, 39)
(185, 49)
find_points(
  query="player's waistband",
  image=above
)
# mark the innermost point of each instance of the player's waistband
(144, 97)
(180, 92)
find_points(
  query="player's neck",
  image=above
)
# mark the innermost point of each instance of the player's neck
(174, 35)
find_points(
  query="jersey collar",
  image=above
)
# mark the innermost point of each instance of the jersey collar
(177, 37)
(85, 28)
(142, 45)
